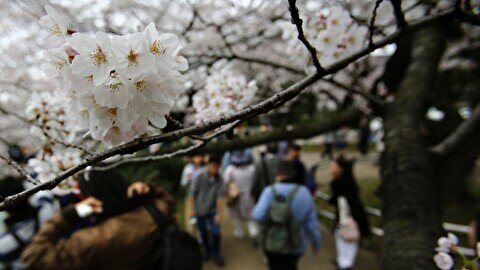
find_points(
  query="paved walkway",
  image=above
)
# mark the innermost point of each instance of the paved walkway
(241, 255)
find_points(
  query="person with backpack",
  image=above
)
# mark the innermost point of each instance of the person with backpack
(206, 199)
(132, 229)
(351, 223)
(288, 216)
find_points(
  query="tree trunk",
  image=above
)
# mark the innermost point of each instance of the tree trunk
(412, 212)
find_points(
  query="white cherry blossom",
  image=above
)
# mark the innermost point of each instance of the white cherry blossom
(114, 93)
(133, 55)
(55, 24)
(443, 261)
(95, 57)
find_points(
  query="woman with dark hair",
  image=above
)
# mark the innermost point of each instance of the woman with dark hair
(351, 223)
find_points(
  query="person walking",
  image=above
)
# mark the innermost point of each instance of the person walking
(303, 176)
(196, 163)
(289, 219)
(351, 222)
(240, 176)
(265, 170)
(206, 203)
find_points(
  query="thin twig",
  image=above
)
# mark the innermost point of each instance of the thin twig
(297, 21)
(19, 169)
(353, 90)
(371, 26)
(399, 16)
(183, 151)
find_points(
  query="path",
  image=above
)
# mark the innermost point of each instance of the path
(241, 255)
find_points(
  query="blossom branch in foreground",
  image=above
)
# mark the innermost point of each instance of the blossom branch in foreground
(301, 36)
(19, 169)
(183, 151)
(259, 108)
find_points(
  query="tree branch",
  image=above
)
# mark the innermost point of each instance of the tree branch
(259, 108)
(353, 90)
(297, 21)
(20, 170)
(371, 26)
(397, 7)
(465, 129)
(179, 152)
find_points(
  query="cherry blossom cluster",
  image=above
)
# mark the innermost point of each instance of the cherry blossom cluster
(447, 246)
(225, 92)
(333, 32)
(50, 118)
(116, 86)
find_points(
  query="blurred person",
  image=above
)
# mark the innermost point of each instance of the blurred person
(340, 140)
(206, 198)
(288, 216)
(363, 136)
(328, 146)
(24, 220)
(265, 170)
(349, 208)
(196, 163)
(26, 217)
(240, 175)
(125, 233)
(303, 176)
(282, 148)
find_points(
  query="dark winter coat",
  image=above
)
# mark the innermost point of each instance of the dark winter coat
(349, 189)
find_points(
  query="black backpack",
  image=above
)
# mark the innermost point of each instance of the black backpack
(175, 249)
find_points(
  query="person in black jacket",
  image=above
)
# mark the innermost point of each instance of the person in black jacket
(344, 184)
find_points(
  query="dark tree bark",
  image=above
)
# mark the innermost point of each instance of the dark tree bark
(412, 213)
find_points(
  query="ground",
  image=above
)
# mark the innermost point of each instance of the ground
(241, 255)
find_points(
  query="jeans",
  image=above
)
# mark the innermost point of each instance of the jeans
(282, 261)
(210, 233)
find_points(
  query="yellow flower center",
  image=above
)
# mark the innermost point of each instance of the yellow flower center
(157, 48)
(112, 112)
(115, 131)
(114, 87)
(140, 86)
(55, 30)
(58, 67)
(132, 58)
(98, 57)
(326, 40)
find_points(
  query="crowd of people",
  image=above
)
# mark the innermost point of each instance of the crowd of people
(107, 223)
(272, 197)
